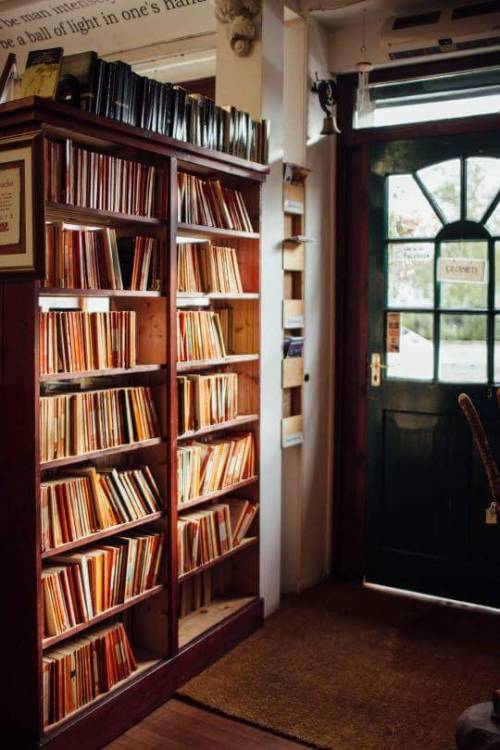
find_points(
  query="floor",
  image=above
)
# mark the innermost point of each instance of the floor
(179, 726)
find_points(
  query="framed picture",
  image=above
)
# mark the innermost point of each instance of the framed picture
(21, 215)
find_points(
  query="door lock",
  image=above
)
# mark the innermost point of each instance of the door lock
(376, 367)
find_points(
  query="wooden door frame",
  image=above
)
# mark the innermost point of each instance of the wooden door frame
(351, 292)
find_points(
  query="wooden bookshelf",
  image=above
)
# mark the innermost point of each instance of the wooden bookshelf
(151, 620)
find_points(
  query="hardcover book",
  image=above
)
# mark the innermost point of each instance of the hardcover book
(42, 72)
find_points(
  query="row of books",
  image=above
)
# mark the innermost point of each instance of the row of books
(89, 501)
(112, 89)
(205, 268)
(88, 179)
(84, 668)
(205, 467)
(97, 259)
(204, 400)
(199, 335)
(76, 423)
(81, 341)
(78, 587)
(209, 203)
(207, 534)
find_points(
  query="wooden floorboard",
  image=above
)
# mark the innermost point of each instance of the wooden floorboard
(179, 726)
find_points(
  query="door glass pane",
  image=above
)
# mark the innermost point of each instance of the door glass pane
(496, 360)
(462, 349)
(483, 183)
(463, 274)
(410, 268)
(443, 183)
(415, 358)
(493, 223)
(410, 213)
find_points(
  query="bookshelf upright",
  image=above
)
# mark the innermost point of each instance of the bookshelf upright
(89, 446)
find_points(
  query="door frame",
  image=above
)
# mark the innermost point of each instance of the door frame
(351, 292)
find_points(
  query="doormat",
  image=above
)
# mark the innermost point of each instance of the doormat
(344, 667)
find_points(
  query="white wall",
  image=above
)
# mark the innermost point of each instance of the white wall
(307, 480)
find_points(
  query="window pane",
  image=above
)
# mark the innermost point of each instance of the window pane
(415, 359)
(443, 183)
(410, 270)
(470, 289)
(493, 223)
(483, 183)
(463, 351)
(410, 213)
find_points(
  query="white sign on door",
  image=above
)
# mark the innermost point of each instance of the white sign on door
(463, 270)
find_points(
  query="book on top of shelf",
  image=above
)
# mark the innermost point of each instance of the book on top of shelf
(41, 75)
(93, 663)
(79, 586)
(73, 424)
(98, 259)
(206, 467)
(206, 268)
(93, 500)
(209, 203)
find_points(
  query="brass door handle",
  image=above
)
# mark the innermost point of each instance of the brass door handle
(376, 367)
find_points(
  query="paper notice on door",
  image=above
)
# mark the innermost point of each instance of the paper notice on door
(462, 270)
(393, 332)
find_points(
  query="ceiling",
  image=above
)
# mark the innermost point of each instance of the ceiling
(344, 13)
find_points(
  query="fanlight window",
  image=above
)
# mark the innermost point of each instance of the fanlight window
(443, 272)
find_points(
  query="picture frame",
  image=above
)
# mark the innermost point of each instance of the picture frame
(21, 209)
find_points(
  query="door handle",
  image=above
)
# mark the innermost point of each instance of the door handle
(376, 367)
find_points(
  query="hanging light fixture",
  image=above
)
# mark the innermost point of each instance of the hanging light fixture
(364, 104)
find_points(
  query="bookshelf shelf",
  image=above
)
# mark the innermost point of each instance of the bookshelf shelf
(103, 534)
(202, 364)
(100, 373)
(127, 448)
(36, 495)
(244, 544)
(214, 495)
(204, 619)
(52, 640)
(243, 419)
(197, 231)
(57, 292)
(94, 217)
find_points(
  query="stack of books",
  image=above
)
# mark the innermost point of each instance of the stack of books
(84, 669)
(84, 178)
(76, 423)
(89, 501)
(83, 585)
(199, 336)
(205, 400)
(206, 268)
(97, 259)
(205, 467)
(112, 89)
(207, 534)
(209, 203)
(82, 341)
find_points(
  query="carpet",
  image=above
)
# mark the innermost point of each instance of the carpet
(349, 668)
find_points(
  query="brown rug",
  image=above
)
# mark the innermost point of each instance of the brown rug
(349, 668)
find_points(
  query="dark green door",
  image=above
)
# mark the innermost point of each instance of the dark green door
(435, 323)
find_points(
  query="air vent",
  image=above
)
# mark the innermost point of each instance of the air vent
(423, 19)
(492, 41)
(406, 53)
(471, 11)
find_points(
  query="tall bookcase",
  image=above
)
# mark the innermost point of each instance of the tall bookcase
(169, 650)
